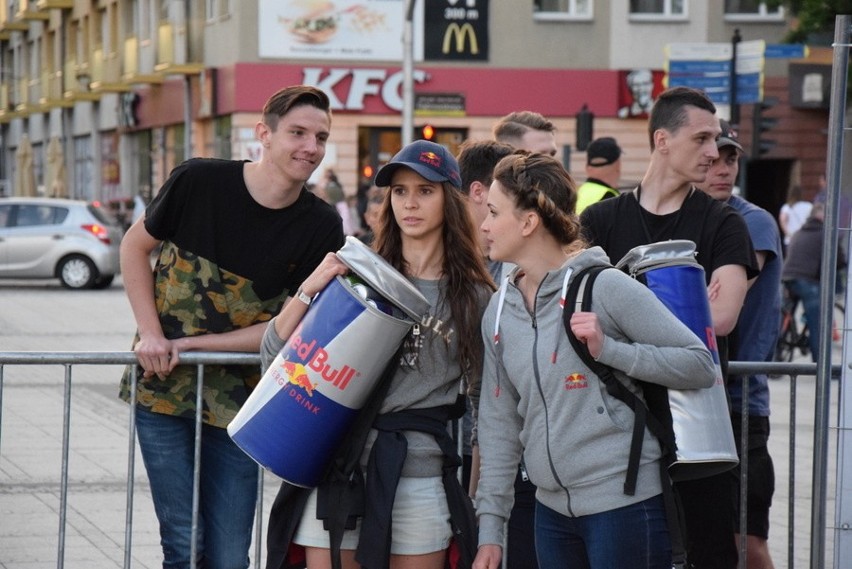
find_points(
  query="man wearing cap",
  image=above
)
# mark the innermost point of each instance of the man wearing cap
(682, 133)
(753, 340)
(603, 168)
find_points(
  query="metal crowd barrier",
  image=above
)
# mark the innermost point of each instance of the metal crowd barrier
(70, 359)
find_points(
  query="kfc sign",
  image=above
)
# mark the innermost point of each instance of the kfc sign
(348, 88)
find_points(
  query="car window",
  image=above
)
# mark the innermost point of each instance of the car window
(30, 215)
(4, 214)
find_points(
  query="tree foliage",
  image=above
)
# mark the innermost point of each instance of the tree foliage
(812, 17)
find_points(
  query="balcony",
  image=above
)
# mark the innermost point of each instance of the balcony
(172, 52)
(7, 104)
(29, 92)
(76, 86)
(138, 63)
(106, 73)
(27, 11)
(51, 92)
(55, 4)
(7, 21)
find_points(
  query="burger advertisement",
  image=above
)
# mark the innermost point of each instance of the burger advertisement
(333, 29)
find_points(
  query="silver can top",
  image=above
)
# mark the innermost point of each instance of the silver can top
(385, 279)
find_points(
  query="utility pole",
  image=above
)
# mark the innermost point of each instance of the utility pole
(735, 107)
(408, 74)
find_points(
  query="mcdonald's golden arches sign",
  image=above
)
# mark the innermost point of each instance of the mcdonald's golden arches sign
(456, 30)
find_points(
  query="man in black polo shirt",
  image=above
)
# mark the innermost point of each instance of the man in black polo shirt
(683, 129)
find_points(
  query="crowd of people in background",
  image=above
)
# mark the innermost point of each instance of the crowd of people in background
(544, 455)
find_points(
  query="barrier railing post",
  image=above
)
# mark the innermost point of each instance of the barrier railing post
(744, 451)
(131, 468)
(196, 468)
(258, 523)
(66, 444)
(2, 367)
(791, 474)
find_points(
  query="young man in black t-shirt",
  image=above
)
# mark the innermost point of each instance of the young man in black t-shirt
(683, 129)
(235, 240)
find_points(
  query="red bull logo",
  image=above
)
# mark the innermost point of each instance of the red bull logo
(575, 381)
(430, 158)
(298, 375)
(317, 359)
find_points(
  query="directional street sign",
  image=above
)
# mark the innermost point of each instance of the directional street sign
(785, 51)
(707, 66)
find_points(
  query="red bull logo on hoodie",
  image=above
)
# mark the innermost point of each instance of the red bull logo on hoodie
(575, 381)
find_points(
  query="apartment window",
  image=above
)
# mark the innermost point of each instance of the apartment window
(655, 9)
(145, 14)
(217, 9)
(751, 10)
(563, 9)
(111, 33)
(129, 26)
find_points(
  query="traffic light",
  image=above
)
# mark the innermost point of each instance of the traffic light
(761, 125)
(585, 128)
(428, 132)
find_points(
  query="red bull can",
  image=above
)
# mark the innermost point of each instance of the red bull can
(296, 417)
(700, 417)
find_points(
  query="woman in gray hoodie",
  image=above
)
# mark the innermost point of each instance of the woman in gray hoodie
(539, 400)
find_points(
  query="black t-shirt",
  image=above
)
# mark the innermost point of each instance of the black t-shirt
(205, 208)
(718, 231)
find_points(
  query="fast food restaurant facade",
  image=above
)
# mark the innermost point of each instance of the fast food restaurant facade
(123, 103)
(459, 103)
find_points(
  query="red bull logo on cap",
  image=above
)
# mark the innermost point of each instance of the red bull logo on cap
(430, 158)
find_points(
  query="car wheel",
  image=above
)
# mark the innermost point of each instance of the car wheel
(77, 272)
(103, 282)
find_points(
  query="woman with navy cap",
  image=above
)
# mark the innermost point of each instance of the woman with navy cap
(409, 459)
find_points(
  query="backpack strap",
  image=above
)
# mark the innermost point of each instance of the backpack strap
(577, 295)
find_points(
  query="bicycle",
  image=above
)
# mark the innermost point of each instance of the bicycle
(795, 335)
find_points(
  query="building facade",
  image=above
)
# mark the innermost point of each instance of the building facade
(130, 88)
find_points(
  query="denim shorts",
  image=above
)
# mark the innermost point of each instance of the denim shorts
(421, 520)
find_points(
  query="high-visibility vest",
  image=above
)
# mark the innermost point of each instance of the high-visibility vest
(592, 192)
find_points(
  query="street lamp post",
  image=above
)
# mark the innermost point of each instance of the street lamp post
(408, 73)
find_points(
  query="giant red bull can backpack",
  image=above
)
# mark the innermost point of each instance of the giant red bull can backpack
(295, 419)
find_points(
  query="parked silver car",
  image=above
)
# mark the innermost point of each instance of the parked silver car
(74, 241)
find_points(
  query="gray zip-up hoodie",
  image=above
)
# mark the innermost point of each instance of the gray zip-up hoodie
(539, 398)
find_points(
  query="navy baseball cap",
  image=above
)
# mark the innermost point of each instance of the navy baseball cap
(432, 161)
(728, 137)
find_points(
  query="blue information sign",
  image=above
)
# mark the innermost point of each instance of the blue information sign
(693, 67)
(785, 51)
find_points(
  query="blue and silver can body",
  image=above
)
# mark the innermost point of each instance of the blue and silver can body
(296, 417)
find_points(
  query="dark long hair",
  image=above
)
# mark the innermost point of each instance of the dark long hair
(464, 268)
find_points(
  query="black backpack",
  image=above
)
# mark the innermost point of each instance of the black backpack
(653, 413)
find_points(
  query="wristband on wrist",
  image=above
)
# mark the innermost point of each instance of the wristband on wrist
(300, 294)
